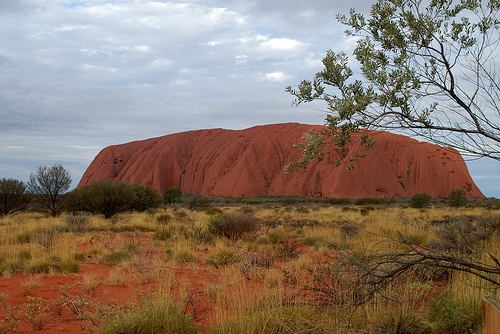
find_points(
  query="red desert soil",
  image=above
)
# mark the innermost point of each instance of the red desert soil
(250, 162)
(191, 280)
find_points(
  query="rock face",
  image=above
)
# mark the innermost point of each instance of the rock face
(250, 162)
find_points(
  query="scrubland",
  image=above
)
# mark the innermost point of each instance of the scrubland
(248, 268)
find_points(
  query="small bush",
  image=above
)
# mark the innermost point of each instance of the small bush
(163, 234)
(164, 219)
(420, 200)
(234, 225)
(289, 249)
(79, 222)
(275, 237)
(36, 312)
(221, 257)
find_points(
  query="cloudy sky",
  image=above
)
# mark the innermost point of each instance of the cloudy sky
(79, 75)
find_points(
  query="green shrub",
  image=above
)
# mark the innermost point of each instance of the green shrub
(158, 316)
(457, 198)
(172, 195)
(369, 201)
(234, 225)
(110, 197)
(420, 200)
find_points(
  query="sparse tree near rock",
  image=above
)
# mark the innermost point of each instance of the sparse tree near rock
(48, 185)
(13, 196)
(427, 68)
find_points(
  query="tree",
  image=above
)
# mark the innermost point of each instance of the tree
(457, 198)
(426, 67)
(48, 185)
(13, 196)
(171, 195)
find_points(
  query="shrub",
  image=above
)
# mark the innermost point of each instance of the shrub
(164, 219)
(369, 201)
(110, 197)
(234, 225)
(172, 195)
(221, 257)
(194, 202)
(78, 222)
(420, 200)
(275, 237)
(36, 312)
(457, 198)
(338, 201)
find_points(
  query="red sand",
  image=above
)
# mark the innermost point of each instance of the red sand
(250, 162)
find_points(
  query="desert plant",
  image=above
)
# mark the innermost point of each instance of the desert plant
(172, 195)
(221, 257)
(157, 316)
(78, 222)
(420, 200)
(36, 312)
(234, 225)
(289, 248)
(457, 198)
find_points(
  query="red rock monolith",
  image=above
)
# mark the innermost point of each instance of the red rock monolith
(250, 162)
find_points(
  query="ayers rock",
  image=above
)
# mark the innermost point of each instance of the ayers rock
(250, 162)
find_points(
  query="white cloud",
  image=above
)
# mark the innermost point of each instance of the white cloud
(281, 44)
(275, 76)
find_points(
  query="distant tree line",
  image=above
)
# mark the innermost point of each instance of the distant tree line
(46, 191)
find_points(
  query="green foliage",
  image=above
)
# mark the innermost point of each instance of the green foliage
(48, 185)
(420, 200)
(457, 198)
(426, 67)
(110, 197)
(369, 201)
(158, 316)
(172, 195)
(13, 196)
